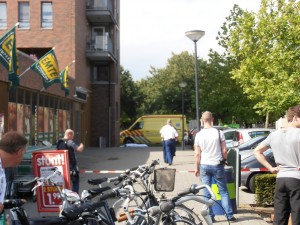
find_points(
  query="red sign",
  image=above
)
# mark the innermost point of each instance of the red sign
(48, 197)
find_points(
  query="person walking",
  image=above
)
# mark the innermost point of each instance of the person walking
(210, 157)
(12, 150)
(285, 144)
(169, 137)
(67, 143)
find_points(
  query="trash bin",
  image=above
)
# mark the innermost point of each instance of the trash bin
(229, 177)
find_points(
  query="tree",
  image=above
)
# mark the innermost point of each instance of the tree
(266, 47)
(218, 92)
(161, 91)
(222, 95)
(129, 98)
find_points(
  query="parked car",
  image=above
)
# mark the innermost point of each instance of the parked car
(192, 133)
(236, 137)
(251, 168)
(247, 148)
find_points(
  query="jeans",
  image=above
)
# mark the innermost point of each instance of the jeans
(75, 182)
(169, 150)
(217, 172)
(286, 200)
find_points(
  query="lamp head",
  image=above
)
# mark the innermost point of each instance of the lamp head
(195, 35)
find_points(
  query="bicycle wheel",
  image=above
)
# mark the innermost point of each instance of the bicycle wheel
(93, 220)
(171, 220)
(141, 220)
(186, 213)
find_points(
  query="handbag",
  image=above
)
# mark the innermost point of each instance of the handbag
(223, 161)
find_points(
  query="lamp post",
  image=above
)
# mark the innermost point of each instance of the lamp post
(182, 85)
(195, 35)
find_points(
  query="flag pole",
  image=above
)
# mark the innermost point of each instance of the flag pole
(71, 63)
(25, 71)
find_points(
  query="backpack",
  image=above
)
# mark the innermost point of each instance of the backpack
(62, 145)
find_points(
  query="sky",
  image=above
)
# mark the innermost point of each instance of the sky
(151, 30)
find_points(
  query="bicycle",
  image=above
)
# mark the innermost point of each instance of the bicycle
(143, 172)
(165, 213)
(69, 199)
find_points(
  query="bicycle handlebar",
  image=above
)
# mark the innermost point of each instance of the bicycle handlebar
(194, 189)
(41, 180)
(12, 203)
(119, 178)
(30, 182)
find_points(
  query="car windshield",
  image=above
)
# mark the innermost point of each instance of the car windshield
(252, 141)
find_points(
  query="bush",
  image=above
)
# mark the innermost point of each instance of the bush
(265, 188)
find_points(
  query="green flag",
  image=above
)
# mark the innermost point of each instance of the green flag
(47, 68)
(64, 80)
(8, 55)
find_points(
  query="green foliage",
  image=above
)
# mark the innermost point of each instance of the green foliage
(265, 188)
(161, 91)
(129, 99)
(266, 46)
(256, 78)
(222, 95)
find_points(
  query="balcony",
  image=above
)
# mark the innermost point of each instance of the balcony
(100, 49)
(100, 11)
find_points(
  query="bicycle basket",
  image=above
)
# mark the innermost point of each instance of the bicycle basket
(164, 179)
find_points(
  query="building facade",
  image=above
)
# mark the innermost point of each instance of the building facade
(86, 31)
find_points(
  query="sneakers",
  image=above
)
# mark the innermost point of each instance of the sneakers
(232, 219)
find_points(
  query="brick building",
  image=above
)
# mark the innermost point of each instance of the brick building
(86, 31)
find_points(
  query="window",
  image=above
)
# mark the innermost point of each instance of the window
(24, 15)
(101, 72)
(3, 15)
(47, 15)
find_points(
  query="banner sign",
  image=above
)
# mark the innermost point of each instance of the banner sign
(47, 68)
(8, 55)
(48, 197)
(64, 80)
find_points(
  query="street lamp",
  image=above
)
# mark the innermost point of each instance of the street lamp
(182, 85)
(195, 35)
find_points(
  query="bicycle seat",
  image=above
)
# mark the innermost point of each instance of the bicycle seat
(98, 191)
(97, 181)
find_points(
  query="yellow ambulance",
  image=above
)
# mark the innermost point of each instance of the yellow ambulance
(145, 130)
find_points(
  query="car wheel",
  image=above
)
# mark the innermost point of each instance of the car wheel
(251, 183)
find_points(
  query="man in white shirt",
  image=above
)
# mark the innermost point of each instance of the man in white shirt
(210, 155)
(12, 150)
(169, 137)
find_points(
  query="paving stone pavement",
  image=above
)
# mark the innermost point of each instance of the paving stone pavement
(122, 158)
(108, 160)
